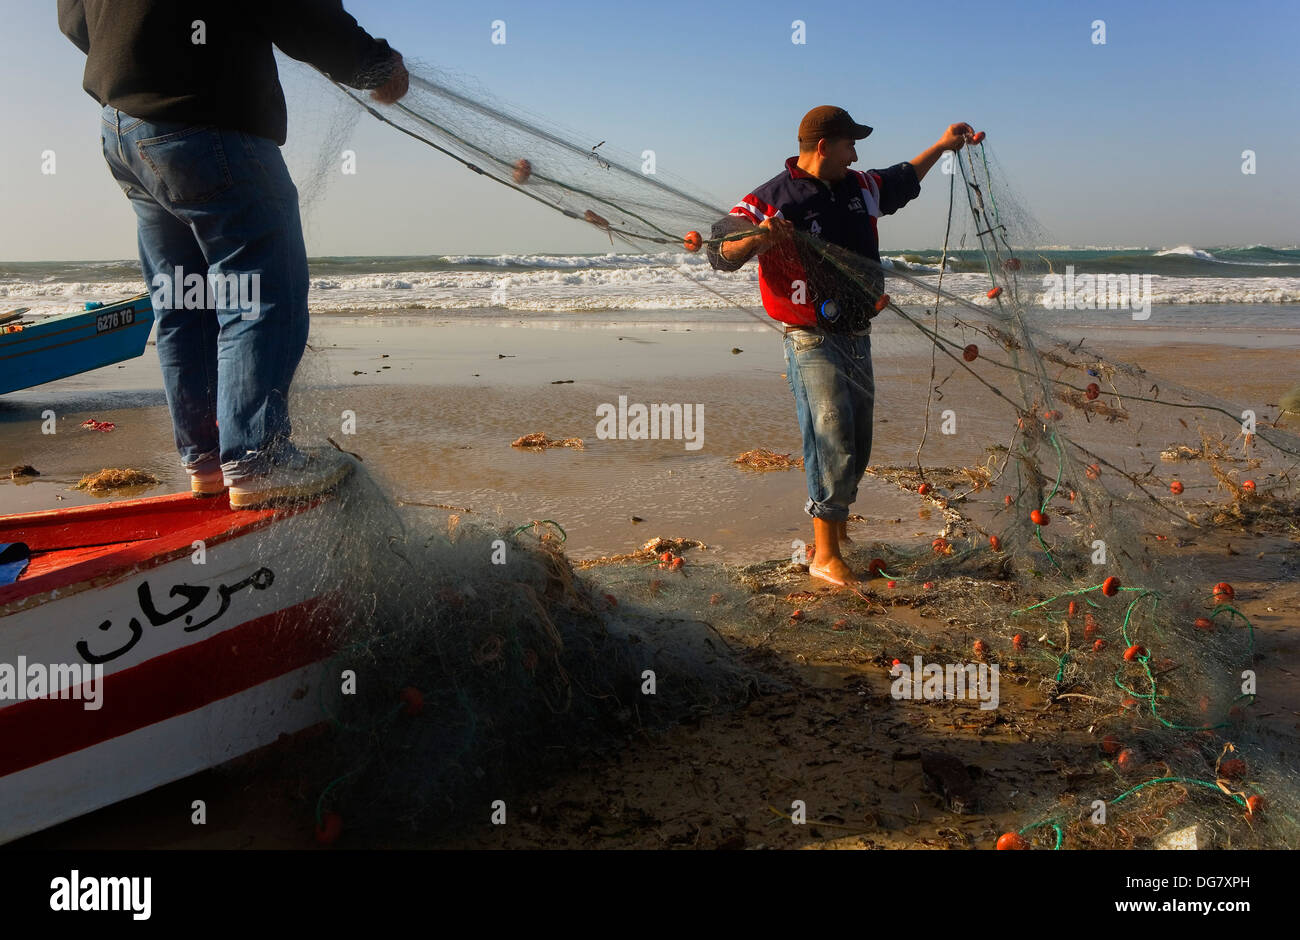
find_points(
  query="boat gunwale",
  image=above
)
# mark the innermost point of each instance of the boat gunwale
(134, 557)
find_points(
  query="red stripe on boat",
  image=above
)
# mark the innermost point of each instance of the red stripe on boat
(146, 532)
(39, 730)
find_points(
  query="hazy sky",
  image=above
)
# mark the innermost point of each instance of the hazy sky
(1135, 142)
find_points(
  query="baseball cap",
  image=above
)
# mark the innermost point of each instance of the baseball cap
(829, 121)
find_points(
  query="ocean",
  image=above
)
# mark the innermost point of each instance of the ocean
(1229, 287)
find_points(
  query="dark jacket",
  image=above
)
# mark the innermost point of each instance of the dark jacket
(142, 56)
(842, 215)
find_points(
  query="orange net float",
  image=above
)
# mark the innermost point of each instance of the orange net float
(978, 138)
(1223, 592)
(1110, 587)
(523, 171)
(882, 303)
(1092, 391)
(1176, 487)
(994, 293)
(971, 353)
(1011, 841)
(1130, 760)
(1037, 517)
(693, 241)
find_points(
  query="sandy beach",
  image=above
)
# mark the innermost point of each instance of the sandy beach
(436, 406)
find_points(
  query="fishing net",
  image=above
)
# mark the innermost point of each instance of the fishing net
(469, 657)
(1074, 541)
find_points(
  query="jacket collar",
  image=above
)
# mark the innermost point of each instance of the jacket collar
(797, 172)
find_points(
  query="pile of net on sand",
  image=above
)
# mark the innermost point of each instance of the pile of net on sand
(470, 657)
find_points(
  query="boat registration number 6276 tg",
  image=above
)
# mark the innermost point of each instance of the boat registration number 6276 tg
(114, 320)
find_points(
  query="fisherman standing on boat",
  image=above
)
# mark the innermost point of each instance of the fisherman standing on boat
(825, 312)
(192, 125)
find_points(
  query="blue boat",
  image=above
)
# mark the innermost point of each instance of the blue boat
(35, 352)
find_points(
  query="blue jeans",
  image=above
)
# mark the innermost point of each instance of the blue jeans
(223, 256)
(834, 394)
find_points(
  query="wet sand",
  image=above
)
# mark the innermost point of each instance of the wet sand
(436, 408)
(436, 427)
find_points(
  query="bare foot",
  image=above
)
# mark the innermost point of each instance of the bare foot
(833, 570)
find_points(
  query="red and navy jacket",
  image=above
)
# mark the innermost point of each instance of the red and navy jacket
(795, 282)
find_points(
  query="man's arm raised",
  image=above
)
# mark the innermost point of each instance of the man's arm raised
(325, 35)
(954, 138)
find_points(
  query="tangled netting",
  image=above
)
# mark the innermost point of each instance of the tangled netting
(478, 670)
(468, 657)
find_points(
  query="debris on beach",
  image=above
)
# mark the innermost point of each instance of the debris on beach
(91, 424)
(649, 551)
(763, 460)
(948, 478)
(105, 481)
(23, 471)
(1091, 406)
(539, 441)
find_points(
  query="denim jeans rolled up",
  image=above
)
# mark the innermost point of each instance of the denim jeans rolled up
(218, 220)
(834, 392)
